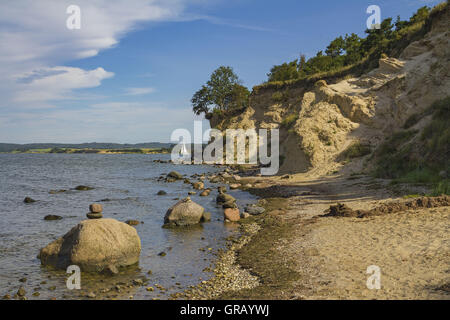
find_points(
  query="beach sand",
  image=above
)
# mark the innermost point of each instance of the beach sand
(300, 254)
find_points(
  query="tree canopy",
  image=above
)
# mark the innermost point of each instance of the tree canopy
(224, 91)
(349, 50)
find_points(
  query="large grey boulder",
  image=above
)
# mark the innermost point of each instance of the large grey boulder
(94, 246)
(184, 213)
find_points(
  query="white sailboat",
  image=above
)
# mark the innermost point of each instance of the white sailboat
(184, 151)
(186, 156)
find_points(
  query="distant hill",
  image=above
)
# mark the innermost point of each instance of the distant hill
(9, 147)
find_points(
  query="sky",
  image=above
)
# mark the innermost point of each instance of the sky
(128, 74)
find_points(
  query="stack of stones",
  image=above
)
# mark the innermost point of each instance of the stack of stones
(95, 211)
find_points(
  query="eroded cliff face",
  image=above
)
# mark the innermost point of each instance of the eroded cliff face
(319, 122)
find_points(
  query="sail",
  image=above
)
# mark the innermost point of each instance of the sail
(184, 151)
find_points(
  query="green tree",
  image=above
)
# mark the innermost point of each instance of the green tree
(352, 48)
(286, 71)
(420, 16)
(400, 24)
(223, 92)
(302, 66)
(201, 101)
(238, 98)
(336, 47)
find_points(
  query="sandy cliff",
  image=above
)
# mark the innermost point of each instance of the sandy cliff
(319, 121)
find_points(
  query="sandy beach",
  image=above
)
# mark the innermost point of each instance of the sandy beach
(300, 254)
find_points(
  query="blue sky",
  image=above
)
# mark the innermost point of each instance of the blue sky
(129, 73)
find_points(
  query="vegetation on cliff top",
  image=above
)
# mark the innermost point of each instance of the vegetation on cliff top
(352, 54)
(222, 93)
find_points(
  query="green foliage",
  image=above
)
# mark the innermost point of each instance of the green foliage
(393, 156)
(289, 121)
(336, 47)
(280, 96)
(441, 188)
(346, 51)
(437, 134)
(356, 150)
(277, 96)
(399, 160)
(223, 91)
(284, 72)
(201, 101)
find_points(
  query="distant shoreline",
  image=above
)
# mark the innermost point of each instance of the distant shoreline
(91, 151)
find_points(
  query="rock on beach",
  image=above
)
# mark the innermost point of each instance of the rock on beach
(184, 213)
(94, 246)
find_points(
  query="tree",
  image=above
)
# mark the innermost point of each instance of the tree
(378, 38)
(201, 101)
(400, 24)
(336, 47)
(420, 16)
(286, 71)
(238, 98)
(352, 49)
(223, 91)
(302, 66)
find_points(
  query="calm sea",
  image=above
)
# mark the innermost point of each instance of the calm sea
(130, 183)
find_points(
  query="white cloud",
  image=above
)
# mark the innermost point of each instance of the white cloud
(57, 83)
(38, 88)
(36, 43)
(139, 91)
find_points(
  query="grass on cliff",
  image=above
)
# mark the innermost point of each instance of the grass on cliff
(419, 157)
(392, 40)
(289, 121)
(356, 150)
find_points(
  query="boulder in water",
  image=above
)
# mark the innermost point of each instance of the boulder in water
(206, 217)
(198, 185)
(229, 204)
(83, 188)
(224, 198)
(222, 189)
(52, 217)
(255, 210)
(175, 175)
(184, 213)
(28, 200)
(132, 222)
(94, 246)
